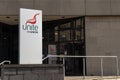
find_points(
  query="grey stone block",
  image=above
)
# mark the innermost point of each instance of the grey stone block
(16, 77)
(52, 70)
(30, 77)
(58, 77)
(41, 76)
(48, 77)
(6, 78)
(61, 71)
(32, 72)
(9, 71)
(24, 71)
(38, 70)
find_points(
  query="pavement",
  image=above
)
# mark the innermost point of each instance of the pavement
(93, 78)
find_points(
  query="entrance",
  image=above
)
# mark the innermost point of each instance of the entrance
(65, 37)
(60, 37)
(9, 43)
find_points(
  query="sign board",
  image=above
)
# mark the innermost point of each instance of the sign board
(52, 49)
(30, 31)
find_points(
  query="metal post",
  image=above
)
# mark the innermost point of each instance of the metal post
(117, 66)
(84, 68)
(64, 66)
(101, 66)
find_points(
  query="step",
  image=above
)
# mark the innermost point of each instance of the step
(92, 78)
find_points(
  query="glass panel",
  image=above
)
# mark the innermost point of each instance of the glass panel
(65, 26)
(56, 28)
(78, 23)
(56, 35)
(69, 40)
(77, 35)
(68, 25)
(65, 35)
(78, 30)
(62, 48)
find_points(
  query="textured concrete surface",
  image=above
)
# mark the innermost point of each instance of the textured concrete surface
(62, 7)
(92, 78)
(32, 72)
(102, 39)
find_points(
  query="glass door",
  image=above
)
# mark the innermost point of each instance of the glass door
(69, 38)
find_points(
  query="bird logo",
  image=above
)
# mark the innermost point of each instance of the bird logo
(33, 20)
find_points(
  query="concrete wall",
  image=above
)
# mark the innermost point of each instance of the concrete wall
(102, 39)
(32, 72)
(62, 7)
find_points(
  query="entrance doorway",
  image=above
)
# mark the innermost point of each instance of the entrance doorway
(9, 43)
(66, 37)
(60, 37)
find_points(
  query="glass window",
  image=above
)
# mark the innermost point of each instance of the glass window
(56, 35)
(78, 24)
(77, 35)
(56, 28)
(65, 35)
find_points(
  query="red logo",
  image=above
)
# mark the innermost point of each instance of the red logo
(33, 20)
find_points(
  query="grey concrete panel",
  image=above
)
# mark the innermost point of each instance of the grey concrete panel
(30, 77)
(115, 6)
(3, 7)
(98, 7)
(93, 67)
(14, 6)
(10, 71)
(58, 77)
(103, 39)
(6, 78)
(38, 70)
(49, 7)
(55, 70)
(16, 77)
(23, 71)
(8, 7)
(48, 77)
(62, 7)
(32, 72)
(41, 77)
(12, 9)
(111, 68)
(72, 7)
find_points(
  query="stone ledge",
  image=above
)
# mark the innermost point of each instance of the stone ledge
(32, 72)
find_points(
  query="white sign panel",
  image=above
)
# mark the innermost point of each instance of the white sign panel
(30, 36)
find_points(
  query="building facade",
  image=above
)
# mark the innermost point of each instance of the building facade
(80, 27)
